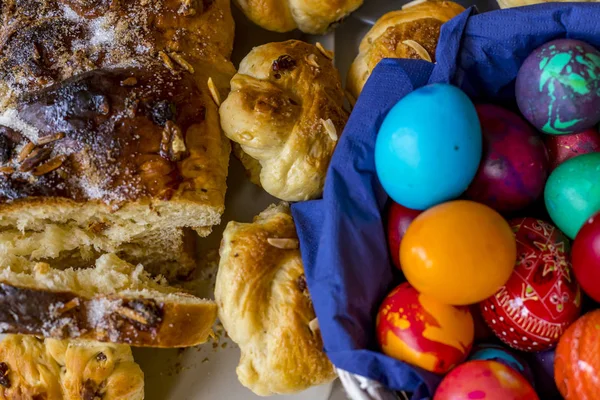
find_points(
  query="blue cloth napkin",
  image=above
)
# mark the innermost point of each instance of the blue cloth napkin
(342, 236)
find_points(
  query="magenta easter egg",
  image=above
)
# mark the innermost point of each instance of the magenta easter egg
(398, 220)
(514, 165)
(541, 298)
(564, 147)
(484, 380)
(558, 87)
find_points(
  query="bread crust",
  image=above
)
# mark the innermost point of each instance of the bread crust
(310, 16)
(133, 320)
(122, 86)
(265, 306)
(420, 23)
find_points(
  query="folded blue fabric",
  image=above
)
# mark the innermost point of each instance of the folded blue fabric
(342, 236)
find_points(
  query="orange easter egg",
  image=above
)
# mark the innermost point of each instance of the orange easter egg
(459, 252)
(421, 331)
(577, 360)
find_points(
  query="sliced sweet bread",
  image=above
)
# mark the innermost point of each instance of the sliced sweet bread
(33, 368)
(112, 302)
(170, 253)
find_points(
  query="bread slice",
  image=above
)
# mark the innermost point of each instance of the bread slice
(33, 368)
(112, 302)
(170, 253)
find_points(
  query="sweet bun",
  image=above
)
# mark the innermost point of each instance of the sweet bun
(265, 306)
(412, 32)
(285, 111)
(310, 16)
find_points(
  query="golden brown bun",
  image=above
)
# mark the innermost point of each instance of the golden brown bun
(113, 302)
(51, 369)
(265, 306)
(310, 16)
(122, 87)
(388, 38)
(286, 111)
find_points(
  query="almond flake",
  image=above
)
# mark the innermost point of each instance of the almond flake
(6, 170)
(167, 61)
(28, 148)
(50, 166)
(330, 129)
(182, 62)
(50, 138)
(311, 59)
(420, 50)
(214, 92)
(413, 3)
(71, 304)
(131, 81)
(326, 53)
(314, 325)
(284, 244)
(132, 315)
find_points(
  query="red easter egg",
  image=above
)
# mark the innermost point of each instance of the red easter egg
(421, 331)
(564, 147)
(514, 166)
(586, 257)
(485, 380)
(541, 298)
(399, 218)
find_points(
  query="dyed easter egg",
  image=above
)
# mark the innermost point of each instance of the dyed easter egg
(558, 87)
(429, 147)
(484, 380)
(572, 193)
(504, 356)
(542, 365)
(399, 218)
(514, 167)
(460, 252)
(577, 361)
(585, 256)
(564, 147)
(541, 298)
(421, 331)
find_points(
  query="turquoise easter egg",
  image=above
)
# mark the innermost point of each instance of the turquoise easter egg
(429, 147)
(572, 193)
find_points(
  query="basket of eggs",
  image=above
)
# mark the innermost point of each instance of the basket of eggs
(456, 251)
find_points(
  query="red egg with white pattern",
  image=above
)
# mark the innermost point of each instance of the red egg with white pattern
(542, 297)
(564, 147)
(421, 331)
(398, 220)
(484, 380)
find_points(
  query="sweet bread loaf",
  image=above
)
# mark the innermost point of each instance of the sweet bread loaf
(265, 306)
(285, 111)
(170, 253)
(412, 32)
(108, 122)
(49, 369)
(310, 16)
(112, 302)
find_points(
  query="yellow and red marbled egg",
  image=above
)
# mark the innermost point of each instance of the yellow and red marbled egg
(421, 331)
(484, 380)
(542, 297)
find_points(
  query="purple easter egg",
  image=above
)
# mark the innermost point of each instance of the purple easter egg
(542, 365)
(558, 87)
(514, 166)
(503, 355)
